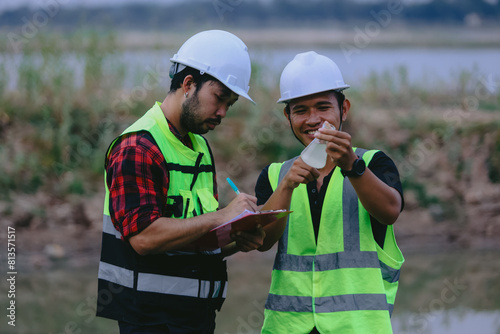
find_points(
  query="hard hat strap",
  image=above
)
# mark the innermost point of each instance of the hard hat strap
(175, 68)
(340, 100)
(291, 127)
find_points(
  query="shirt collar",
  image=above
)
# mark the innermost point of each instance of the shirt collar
(186, 140)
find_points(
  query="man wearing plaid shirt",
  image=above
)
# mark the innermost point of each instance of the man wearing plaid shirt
(161, 196)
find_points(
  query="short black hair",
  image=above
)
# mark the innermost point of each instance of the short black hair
(338, 95)
(198, 78)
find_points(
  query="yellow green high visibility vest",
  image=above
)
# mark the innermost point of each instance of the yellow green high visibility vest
(150, 289)
(345, 283)
(190, 171)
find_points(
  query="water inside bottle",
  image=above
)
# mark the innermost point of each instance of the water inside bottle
(315, 153)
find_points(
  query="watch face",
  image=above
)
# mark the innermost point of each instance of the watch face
(359, 167)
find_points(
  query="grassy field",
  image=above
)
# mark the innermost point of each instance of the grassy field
(56, 123)
(70, 100)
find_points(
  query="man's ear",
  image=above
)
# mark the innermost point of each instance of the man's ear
(345, 109)
(188, 84)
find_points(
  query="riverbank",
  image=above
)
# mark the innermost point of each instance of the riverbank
(333, 36)
(58, 120)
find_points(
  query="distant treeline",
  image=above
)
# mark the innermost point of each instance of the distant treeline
(254, 13)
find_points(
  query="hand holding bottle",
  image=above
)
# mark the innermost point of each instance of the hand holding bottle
(315, 153)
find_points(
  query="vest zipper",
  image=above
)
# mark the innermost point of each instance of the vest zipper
(186, 208)
(196, 170)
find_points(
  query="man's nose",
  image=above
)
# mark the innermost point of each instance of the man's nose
(314, 117)
(221, 111)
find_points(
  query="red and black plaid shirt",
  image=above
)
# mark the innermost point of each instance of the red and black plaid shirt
(137, 178)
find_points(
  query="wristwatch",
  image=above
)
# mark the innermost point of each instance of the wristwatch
(358, 168)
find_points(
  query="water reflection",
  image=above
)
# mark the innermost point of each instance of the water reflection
(455, 321)
(440, 292)
(449, 292)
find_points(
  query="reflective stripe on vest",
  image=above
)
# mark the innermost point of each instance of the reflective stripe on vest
(353, 302)
(303, 282)
(170, 285)
(334, 260)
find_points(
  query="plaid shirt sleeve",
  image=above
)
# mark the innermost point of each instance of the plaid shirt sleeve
(137, 180)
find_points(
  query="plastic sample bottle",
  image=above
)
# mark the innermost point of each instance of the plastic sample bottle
(315, 153)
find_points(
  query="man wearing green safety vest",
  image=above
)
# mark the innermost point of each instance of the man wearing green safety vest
(337, 264)
(161, 196)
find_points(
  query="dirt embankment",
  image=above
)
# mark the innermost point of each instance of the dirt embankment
(452, 194)
(69, 232)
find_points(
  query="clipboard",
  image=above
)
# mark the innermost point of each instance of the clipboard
(246, 221)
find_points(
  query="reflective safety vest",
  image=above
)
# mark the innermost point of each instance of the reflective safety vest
(343, 283)
(153, 289)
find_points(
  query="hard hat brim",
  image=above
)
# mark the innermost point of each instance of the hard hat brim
(238, 91)
(286, 100)
(235, 89)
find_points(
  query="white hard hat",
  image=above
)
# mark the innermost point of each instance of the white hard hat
(310, 73)
(219, 54)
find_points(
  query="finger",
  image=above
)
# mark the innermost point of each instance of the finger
(249, 197)
(310, 174)
(324, 136)
(305, 176)
(253, 206)
(300, 164)
(256, 234)
(341, 148)
(247, 237)
(252, 198)
(340, 142)
(248, 201)
(261, 231)
(333, 132)
(242, 246)
(254, 237)
(303, 170)
(328, 134)
(247, 244)
(314, 172)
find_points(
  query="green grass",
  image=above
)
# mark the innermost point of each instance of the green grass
(55, 131)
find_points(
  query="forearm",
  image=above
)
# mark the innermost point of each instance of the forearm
(166, 234)
(380, 200)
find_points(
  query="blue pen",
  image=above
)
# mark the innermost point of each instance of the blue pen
(235, 188)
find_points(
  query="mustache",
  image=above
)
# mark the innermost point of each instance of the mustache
(216, 120)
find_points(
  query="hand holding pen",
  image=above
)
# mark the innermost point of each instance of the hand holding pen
(235, 188)
(247, 241)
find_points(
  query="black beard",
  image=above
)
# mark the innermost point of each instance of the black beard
(190, 120)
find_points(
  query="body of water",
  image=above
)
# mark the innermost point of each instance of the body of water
(426, 67)
(430, 68)
(455, 292)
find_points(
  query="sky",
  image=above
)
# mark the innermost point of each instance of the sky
(35, 4)
(8, 5)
